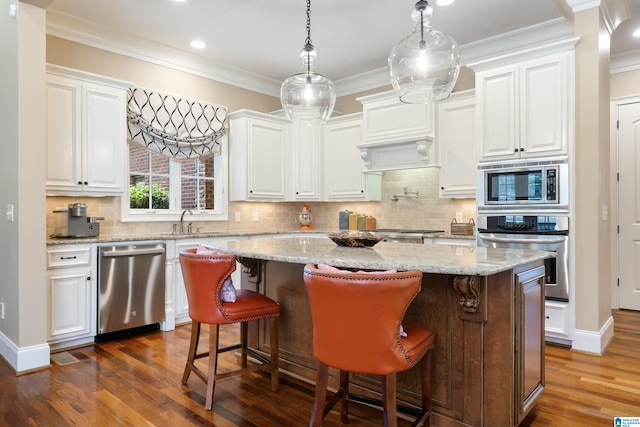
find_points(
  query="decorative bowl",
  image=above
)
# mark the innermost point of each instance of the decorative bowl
(355, 239)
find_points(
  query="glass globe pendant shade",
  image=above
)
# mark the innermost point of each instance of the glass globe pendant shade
(308, 95)
(424, 66)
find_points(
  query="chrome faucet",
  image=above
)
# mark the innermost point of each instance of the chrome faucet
(182, 219)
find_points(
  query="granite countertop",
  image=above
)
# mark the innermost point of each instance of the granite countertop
(206, 234)
(385, 255)
(162, 236)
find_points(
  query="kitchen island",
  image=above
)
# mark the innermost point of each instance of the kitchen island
(485, 306)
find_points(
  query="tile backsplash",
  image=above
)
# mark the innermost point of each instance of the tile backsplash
(427, 211)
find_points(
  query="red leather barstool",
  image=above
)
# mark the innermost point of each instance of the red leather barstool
(204, 276)
(356, 328)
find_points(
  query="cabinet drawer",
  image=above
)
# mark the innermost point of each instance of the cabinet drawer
(556, 317)
(68, 256)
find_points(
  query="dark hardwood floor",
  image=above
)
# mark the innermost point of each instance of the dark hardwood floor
(136, 382)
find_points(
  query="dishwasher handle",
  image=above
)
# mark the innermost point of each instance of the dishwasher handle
(132, 252)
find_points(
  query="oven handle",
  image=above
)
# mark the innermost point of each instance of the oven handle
(511, 240)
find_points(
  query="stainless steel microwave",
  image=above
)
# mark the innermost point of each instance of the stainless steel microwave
(541, 183)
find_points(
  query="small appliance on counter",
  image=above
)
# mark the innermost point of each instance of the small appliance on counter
(304, 219)
(73, 222)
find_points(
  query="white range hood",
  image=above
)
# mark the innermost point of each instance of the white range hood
(396, 135)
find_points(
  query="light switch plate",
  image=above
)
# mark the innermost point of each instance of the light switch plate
(10, 212)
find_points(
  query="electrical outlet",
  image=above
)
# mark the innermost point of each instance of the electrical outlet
(237, 217)
(255, 216)
(10, 212)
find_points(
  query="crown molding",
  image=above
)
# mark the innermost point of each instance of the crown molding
(628, 61)
(80, 31)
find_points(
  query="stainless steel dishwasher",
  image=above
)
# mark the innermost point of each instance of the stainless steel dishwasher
(131, 284)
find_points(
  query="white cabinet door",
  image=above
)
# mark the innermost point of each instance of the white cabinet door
(71, 295)
(344, 178)
(456, 143)
(306, 163)
(70, 292)
(259, 156)
(524, 110)
(64, 139)
(497, 113)
(544, 109)
(86, 133)
(105, 139)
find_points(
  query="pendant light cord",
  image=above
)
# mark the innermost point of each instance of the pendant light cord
(308, 47)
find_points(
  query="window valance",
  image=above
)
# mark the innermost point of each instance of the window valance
(176, 127)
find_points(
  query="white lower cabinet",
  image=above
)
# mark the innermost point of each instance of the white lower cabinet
(71, 295)
(556, 320)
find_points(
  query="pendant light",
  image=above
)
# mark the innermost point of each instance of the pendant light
(424, 66)
(308, 95)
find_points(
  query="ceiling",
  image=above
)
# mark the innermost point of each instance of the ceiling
(262, 38)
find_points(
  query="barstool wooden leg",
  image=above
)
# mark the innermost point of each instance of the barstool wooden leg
(243, 343)
(344, 402)
(193, 348)
(213, 365)
(274, 341)
(389, 400)
(424, 419)
(322, 381)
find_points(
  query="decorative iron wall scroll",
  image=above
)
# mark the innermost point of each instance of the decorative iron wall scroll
(176, 127)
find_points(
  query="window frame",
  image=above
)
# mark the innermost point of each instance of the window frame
(221, 195)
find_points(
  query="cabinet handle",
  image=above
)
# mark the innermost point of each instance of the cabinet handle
(68, 257)
(79, 182)
(86, 183)
(88, 278)
(442, 188)
(521, 149)
(515, 150)
(547, 317)
(250, 191)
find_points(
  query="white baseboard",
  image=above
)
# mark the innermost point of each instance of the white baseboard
(24, 359)
(593, 342)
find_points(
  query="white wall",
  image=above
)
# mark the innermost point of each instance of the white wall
(23, 332)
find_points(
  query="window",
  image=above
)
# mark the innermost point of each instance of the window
(162, 187)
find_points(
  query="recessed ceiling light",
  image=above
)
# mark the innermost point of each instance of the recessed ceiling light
(636, 33)
(444, 2)
(198, 44)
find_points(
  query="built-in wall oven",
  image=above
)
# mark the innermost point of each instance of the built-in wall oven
(524, 204)
(532, 231)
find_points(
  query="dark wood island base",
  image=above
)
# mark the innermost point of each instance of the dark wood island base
(488, 360)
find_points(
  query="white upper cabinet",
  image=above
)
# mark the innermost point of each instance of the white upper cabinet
(524, 110)
(272, 159)
(259, 153)
(456, 139)
(344, 178)
(396, 135)
(86, 133)
(306, 147)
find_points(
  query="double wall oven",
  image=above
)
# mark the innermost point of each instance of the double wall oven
(525, 205)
